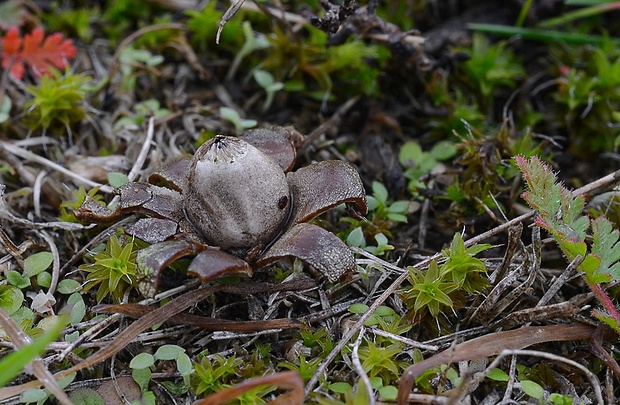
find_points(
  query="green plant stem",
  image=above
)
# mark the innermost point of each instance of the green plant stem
(523, 13)
(541, 35)
(580, 13)
(604, 299)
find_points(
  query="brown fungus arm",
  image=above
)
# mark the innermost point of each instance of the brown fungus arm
(315, 246)
(153, 230)
(135, 197)
(212, 263)
(174, 175)
(322, 186)
(92, 211)
(152, 260)
(153, 200)
(275, 142)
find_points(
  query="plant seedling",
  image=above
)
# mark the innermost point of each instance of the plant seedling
(252, 43)
(271, 87)
(234, 118)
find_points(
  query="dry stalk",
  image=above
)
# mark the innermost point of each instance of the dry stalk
(359, 369)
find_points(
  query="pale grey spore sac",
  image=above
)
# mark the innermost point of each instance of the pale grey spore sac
(235, 193)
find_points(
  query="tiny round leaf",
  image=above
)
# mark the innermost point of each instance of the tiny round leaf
(37, 263)
(168, 352)
(142, 360)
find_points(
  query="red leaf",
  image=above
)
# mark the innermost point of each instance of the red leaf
(11, 43)
(37, 53)
(54, 51)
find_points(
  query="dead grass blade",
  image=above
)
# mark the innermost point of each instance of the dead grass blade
(287, 380)
(228, 15)
(137, 311)
(492, 345)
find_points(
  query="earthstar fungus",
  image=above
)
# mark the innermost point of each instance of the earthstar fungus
(236, 206)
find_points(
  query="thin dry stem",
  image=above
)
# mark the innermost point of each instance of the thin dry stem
(26, 154)
(357, 365)
(55, 263)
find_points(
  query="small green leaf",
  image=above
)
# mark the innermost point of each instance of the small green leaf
(142, 360)
(33, 395)
(11, 298)
(399, 207)
(381, 239)
(559, 399)
(380, 192)
(498, 375)
(373, 203)
(382, 310)
(376, 382)
(340, 387)
(16, 279)
(148, 398)
(142, 376)
(372, 320)
(358, 308)
(388, 393)
(44, 279)
(263, 78)
(356, 238)
(65, 381)
(168, 352)
(117, 179)
(71, 337)
(68, 286)
(532, 389)
(397, 218)
(410, 154)
(453, 377)
(184, 364)
(443, 150)
(78, 308)
(37, 263)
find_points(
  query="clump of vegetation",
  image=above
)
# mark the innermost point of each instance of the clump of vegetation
(440, 288)
(58, 101)
(487, 170)
(113, 270)
(586, 96)
(489, 68)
